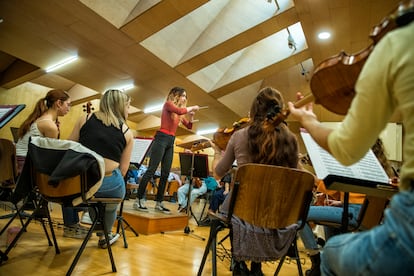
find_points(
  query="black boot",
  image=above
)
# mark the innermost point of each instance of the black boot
(256, 269)
(240, 269)
(315, 269)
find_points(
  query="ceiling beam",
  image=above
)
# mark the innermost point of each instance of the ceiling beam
(19, 72)
(158, 17)
(238, 42)
(261, 74)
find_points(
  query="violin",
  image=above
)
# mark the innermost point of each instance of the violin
(333, 81)
(335, 77)
(222, 136)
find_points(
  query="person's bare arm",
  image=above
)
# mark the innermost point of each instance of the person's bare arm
(74, 136)
(311, 123)
(126, 154)
(48, 128)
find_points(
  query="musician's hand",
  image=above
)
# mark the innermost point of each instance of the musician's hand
(301, 113)
(334, 203)
(216, 149)
(193, 108)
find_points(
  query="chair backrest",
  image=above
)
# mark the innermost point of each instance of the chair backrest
(64, 171)
(271, 196)
(8, 163)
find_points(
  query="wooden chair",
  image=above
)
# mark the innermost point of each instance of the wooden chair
(265, 196)
(8, 177)
(68, 173)
(8, 166)
(72, 186)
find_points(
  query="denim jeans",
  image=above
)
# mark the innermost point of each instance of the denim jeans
(182, 193)
(162, 150)
(387, 249)
(217, 199)
(70, 215)
(112, 186)
(328, 214)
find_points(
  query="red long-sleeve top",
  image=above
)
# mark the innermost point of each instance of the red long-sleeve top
(169, 122)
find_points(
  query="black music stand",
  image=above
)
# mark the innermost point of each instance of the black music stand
(193, 165)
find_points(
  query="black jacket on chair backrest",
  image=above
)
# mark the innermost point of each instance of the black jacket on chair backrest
(60, 159)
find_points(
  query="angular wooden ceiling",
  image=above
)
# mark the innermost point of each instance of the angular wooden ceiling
(221, 51)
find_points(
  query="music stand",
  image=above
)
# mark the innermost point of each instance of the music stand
(193, 165)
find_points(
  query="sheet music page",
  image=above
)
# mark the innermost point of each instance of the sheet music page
(368, 168)
(141, 146)
(5, 110)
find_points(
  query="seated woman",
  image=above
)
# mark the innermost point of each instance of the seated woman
(218, 197)
(200, 187)
(107, 133)
(264, 142)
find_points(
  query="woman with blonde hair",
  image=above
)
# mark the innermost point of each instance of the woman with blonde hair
(107, 133)
(162, 149)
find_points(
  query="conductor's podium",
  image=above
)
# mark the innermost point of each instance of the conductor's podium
(153, 222)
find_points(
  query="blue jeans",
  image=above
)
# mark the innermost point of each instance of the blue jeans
(387, 249)
(328, 214)
(217, 199)
(162, 151)
(70, 215)
(182, 193)
(112, 186)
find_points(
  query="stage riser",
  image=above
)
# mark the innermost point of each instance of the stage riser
(153, 222)
(148, 225)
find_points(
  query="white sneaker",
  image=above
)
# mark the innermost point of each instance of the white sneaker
(139, 205)
(160, 208)
(86, 219)
(112, 239)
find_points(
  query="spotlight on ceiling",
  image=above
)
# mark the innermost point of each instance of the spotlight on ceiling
(291, 41)
(324, 35)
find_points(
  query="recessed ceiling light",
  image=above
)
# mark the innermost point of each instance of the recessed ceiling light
(324, 35)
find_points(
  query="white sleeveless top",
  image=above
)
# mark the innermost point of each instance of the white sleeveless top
(23, 143)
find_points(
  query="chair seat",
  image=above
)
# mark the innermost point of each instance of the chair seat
(104, 200)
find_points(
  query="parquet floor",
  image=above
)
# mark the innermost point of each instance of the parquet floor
(173, 253)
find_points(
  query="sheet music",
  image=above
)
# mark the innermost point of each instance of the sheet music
(7, 112)
(368, 168)
(140, 149)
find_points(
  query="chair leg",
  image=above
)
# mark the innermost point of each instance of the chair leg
(100, 214)
(216, 226)
(39, 213)
(297, 259)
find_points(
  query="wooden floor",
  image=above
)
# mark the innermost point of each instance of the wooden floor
(174, 253)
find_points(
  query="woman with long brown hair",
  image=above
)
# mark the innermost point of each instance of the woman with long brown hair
(260, 142)
(43, 121)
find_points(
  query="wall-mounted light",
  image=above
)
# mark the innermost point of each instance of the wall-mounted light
(153, 108)
(126, 87)
(207, 131)
(61, 63)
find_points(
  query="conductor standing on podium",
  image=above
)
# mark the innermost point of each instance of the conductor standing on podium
(162, 149)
